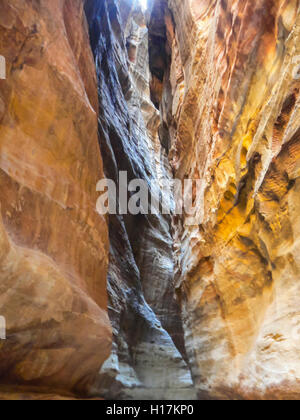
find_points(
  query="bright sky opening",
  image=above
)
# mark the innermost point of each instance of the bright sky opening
(144, 4)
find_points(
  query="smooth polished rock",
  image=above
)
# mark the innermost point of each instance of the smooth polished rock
(53, 244)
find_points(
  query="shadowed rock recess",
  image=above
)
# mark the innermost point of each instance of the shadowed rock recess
(149, 306)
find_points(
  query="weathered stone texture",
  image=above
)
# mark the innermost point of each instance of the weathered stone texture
(234, 125)
(53, 244)
(145, 362)
(196, 89)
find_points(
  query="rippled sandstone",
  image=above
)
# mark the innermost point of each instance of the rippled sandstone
(233, 120)
(196, 89)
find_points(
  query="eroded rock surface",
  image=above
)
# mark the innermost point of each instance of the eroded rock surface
(53, 244)
(234, 125)
(197, 89)
(148, 354)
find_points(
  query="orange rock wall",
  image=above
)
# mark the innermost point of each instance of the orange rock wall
(53, 244)
(234, 124)
(224, 77)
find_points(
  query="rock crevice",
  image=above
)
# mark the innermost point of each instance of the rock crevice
(191, 89)
(148, 357)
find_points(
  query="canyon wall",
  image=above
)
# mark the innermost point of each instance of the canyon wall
(63, 113)
(230, 100)
(192, 89)
(53, 245)
(148, 355)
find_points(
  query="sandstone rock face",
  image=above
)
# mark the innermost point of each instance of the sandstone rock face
(53, 244)
(233, 120)
(147, 359)
(193, 89)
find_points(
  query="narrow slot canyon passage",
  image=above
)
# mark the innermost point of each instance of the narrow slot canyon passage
(148, 358)
(145, 302)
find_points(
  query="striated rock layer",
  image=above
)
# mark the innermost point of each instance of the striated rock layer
(230, 101)
(147, 360)
(198, 89)
(53, 244)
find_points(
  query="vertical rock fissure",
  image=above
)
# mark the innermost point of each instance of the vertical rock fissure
(148, 354)
(201, 90)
